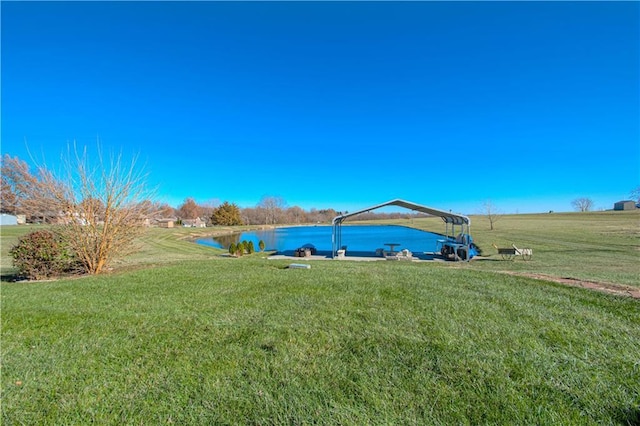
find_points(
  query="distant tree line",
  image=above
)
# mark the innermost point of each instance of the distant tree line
(32, 194)
(271, 210)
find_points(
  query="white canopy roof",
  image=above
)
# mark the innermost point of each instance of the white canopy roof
(447, 217)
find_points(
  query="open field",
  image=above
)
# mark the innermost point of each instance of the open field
(179, 334)
(598, 246)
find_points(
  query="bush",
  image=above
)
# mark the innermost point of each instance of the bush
(42, 254)
(232, 249)
(261, 245)
(251, 247)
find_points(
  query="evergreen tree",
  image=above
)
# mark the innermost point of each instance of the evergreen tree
(227, 214)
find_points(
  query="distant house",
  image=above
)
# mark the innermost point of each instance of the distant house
(194, 223)
(8, 219)
(625, 205)
(166, 223)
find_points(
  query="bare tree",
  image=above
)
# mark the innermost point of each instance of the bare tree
(252, 216)
(20, 188)
(635, 194)
(8, 198)
(161, 210)
(321, 216)
(103, 206)
(207, 208)
(295, 214)
(273, 207)
(30, 194)
(582, 204)
(492, 213)
(189, 209)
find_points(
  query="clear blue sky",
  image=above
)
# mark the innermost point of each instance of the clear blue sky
(336, 104)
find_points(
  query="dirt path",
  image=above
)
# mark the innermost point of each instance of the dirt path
(617, 289)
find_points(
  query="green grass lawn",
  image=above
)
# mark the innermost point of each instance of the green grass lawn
(597, 246)
(178, 334)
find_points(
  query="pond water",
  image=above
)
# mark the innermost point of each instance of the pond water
(365, 238)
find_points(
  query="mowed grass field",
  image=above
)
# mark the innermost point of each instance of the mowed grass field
(596, 246)
(180, 334)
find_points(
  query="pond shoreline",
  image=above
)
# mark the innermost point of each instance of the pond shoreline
(364, 238)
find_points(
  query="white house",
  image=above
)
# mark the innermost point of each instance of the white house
(8, 219)
(194, 223)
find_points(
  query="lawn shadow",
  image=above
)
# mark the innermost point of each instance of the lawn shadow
(630, 416)
(292, 253)
(489, 259)
(372, 255)
(9, 278)
(427, 256)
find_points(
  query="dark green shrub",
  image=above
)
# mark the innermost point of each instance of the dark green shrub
(226, 215)
(261, 245)
(232, 248)
(42, 254)
(250, 247)
(240, 249)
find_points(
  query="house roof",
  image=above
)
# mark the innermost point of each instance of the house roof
(447, 216)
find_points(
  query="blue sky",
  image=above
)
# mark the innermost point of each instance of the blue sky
(336, 104)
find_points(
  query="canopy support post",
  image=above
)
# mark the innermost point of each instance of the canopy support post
(336, 237)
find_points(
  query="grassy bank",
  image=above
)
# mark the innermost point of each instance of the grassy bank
(247, 341)
(179, 334)
(597, 246)
(157, 246)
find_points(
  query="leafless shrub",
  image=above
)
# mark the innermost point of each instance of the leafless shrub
(103, 206)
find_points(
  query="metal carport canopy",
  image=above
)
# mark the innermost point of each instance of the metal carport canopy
(447, 217)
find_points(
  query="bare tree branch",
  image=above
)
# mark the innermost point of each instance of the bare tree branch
(272, 206)
(582, 204)
(635, 194)
(102, 206)
(492, 213)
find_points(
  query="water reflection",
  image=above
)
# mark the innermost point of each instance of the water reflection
(357, 238)
(224, 241)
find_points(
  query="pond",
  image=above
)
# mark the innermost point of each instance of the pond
(357, 238)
